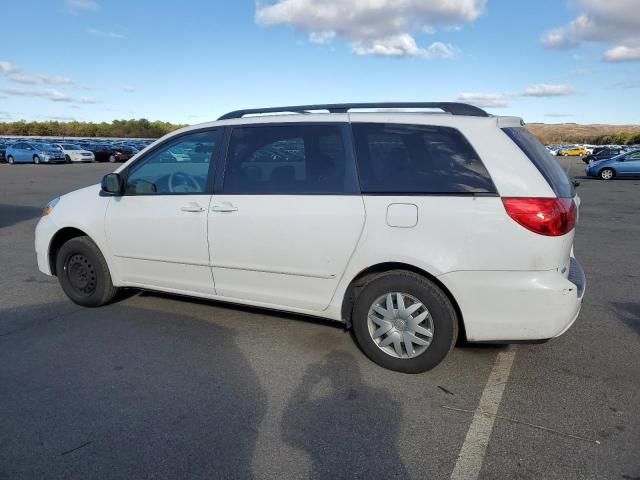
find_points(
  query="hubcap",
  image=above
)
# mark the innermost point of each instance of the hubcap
(400, 325)
(607, 174)
(81, 274)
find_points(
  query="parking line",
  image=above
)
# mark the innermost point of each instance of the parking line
(475, 444)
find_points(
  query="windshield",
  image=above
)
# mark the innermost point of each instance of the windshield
(68, 146)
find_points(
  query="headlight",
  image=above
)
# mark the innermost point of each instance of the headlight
(49, 208)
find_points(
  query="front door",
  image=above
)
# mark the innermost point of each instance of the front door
(157, 230)
(630, 166)
(288, 217)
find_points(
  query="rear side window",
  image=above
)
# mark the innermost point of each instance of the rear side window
(417, 159)
(291, 159)
(548, 166)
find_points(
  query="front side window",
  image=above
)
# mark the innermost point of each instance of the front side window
(290, 159)
(179, 166)
(417, 159)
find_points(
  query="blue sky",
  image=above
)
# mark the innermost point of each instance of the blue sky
(97, 60)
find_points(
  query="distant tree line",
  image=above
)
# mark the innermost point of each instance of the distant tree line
(141, 128)
(621, 138)
(559, 136)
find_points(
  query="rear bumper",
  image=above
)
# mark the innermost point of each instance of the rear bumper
(517, 306)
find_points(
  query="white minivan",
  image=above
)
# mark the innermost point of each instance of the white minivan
(411, 227)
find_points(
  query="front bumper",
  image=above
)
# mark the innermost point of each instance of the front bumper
(45, 230)
(51, 159)
(515, 305)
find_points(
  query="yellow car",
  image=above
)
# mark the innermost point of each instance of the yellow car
(573, 152)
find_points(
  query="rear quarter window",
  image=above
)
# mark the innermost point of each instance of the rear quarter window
(418, 159)
(548, 166)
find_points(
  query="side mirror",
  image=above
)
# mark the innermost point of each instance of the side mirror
(112, 184)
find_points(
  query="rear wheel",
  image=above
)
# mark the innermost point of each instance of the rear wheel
(10, 160)
(607, 174)
(83, 273)
(404, 322)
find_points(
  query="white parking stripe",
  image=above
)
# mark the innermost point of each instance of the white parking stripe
(475, 444)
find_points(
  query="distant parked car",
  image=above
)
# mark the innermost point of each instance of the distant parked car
(110, 153)
(573, 152)
(625, 165)
(3, 148)
(603, 154)
(34, 152)
(74, 153)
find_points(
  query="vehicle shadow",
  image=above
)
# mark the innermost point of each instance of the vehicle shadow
(348, 429)
(12, 214)
(117, 392)
(629, 313)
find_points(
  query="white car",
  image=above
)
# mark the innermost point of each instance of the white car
(73, 153)
(411, 228)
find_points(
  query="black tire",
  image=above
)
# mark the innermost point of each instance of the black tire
(83, 273)
(10, 160)
(67, 159)
(607, 173)
(443, 315)
(36, 159)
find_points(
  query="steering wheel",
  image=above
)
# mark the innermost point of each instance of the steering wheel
(180, 182)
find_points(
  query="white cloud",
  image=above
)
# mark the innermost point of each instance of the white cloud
(100, 33)
(484, 100)
(404, 45)
(6, 67)
(321, 37)
(612, 22)
(83, 4)
(546, 90)
(49, 93)
(373, 27)
(129, 89)
(622, 53)
(501, 100)
(19, 77)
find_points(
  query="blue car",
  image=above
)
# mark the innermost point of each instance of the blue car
(34, 152)
(624, 165)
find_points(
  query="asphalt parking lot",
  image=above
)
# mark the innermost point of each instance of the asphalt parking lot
(156, 386)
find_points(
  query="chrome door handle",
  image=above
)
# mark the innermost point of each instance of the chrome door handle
(224, 207)
(192, 207)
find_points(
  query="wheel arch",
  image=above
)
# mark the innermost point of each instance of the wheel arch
(60, 238)
(380, 268)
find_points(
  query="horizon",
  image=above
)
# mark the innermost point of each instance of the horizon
(572, 60)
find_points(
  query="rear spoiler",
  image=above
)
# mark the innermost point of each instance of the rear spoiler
(505, 122)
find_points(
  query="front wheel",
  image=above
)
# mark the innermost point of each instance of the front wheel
(607, 174)
(10, 160)
(404, 322)
(67, 158)
(112, 159)
(36, 159)
(83, 273)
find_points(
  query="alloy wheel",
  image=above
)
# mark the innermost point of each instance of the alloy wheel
(400, 325)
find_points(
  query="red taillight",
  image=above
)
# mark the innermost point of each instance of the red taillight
(546, 216)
